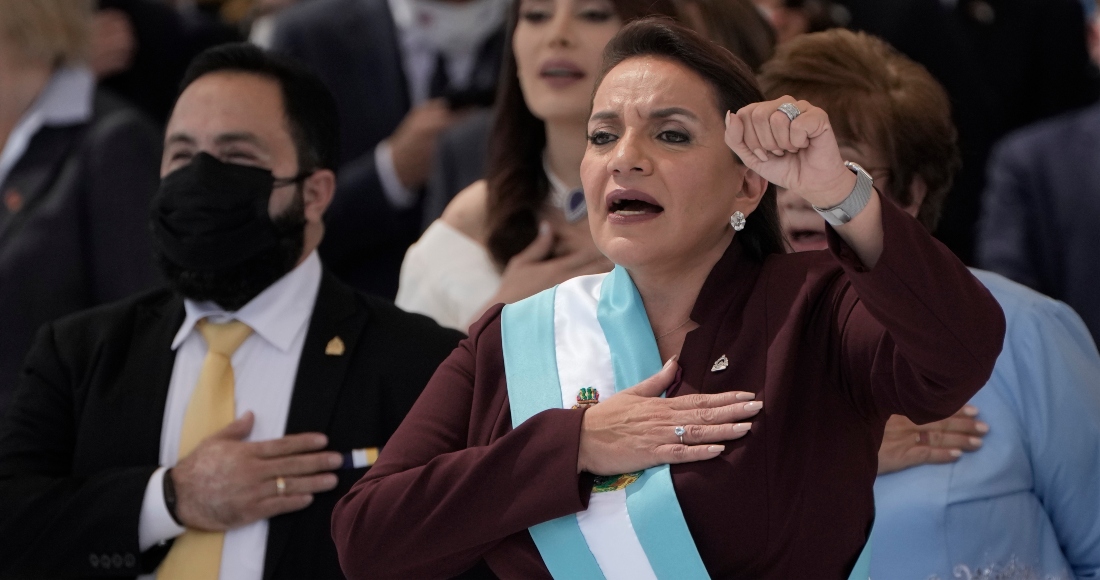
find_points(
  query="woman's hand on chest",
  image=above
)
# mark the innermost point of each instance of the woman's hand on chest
(636, 429)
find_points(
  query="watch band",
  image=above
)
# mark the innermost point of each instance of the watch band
(843, 212)
(170, 499)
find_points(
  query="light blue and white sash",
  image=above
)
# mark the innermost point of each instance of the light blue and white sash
(593, 331)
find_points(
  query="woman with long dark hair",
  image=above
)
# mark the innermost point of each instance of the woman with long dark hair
(521, 230)
(554, 443)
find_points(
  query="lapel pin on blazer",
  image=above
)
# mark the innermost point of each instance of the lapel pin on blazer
(335, 347)
(13, 200)
(720, 365)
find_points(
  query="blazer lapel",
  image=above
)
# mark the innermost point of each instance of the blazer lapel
(34, 174)
(337, 314)
(137, 396)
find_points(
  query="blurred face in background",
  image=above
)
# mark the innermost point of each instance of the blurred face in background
(805, 229)
(558, 46)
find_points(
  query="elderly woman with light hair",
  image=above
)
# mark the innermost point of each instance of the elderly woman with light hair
(77, 168)
(1023, 503)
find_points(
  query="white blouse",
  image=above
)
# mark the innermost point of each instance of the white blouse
(447, 276)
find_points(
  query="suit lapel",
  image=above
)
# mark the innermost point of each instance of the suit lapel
(34, 175)
(141, 391)
(337, 313)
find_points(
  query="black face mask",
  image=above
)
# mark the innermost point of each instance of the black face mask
(213, 235)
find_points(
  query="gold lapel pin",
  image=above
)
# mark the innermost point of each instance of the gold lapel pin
(335, 347)
(720, 365)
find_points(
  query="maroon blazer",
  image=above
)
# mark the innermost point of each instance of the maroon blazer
(832, 348)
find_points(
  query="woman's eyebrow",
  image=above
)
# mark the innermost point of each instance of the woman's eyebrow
(672, 111)
(604, 116)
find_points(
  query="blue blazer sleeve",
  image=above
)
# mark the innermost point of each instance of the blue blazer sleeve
(1058, 398)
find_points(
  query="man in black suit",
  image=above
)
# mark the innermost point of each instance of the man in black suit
(76, 176)
(1041, 208)
(113, 459)
(401, 72)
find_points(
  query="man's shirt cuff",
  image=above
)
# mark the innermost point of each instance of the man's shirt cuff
(398, 195)
(155, 524)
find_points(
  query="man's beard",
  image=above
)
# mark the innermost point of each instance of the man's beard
(234, 287)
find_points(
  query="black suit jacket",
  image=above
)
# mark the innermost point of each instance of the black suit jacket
(81, 235)
(353, 46)
(82, 437)
(1041, 208)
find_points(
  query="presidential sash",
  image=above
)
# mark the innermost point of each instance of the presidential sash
(572, 345)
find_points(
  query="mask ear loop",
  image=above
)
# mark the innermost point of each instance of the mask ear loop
(295, 180)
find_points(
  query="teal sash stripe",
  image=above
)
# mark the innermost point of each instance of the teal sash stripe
(530, 358)
(651, 501)
(634, 354)
(531, 370)
(862, 569)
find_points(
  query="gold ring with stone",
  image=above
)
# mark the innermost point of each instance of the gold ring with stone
(280, 486)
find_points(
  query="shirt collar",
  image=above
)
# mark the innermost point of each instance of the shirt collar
(277, 314)
(65, 100)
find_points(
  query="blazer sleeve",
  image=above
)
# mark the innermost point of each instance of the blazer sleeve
(122, 169)
(919, 335)
(1052, 367)
(444, 492)
(54, 523)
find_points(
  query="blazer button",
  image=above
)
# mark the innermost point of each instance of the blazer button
(116, 561)
(93, 560)
(104, 561)
(130, 560)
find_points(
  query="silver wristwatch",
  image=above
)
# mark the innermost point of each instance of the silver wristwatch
(843, 213)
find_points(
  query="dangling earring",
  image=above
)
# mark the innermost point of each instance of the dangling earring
(737, 220)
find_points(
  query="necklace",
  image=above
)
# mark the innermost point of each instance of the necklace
(675, 329)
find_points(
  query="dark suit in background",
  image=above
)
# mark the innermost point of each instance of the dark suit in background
(83, 436)
(353, 46)
(461, 160)
(78, 236)
(1041, 211)
(1004, 63)
(166, 41)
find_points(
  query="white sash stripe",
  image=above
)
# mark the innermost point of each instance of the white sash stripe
(584, 360)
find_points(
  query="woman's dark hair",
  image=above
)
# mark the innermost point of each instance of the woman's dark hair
(737, 25)
(517, 186)
(733, 85)
(309, 107)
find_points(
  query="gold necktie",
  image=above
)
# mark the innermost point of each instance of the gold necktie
(197, 555)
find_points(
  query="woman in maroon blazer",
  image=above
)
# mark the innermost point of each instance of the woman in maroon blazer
(816, 349)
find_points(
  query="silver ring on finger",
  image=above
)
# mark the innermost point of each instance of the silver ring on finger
(280, 486)
(789, 110)
(679, 430)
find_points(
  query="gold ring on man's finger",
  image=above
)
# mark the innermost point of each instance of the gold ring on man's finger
(280, 486)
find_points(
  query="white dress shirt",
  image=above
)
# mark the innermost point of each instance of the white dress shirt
(265, 367)
(65, 100)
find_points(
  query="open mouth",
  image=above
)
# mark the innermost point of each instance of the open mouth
(561, 69)
(629, 203)
(805, 239)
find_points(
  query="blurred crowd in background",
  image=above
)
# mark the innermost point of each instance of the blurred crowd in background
(419, 86)
(415, 81)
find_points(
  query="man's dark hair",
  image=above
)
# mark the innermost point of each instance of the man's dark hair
(309, 106)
